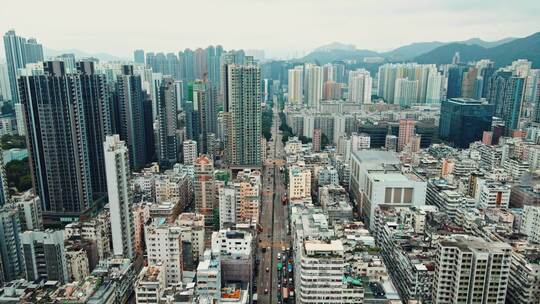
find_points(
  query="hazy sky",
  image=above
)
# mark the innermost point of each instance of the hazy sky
(280, 27)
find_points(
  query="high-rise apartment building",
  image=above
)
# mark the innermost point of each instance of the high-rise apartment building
(471, 270)
(205, 107)
(138, 56)
(406, 131)
(435, 87)
(190, 152)
(97, 111)
(167, 139)
(131, 124)
(227, 207)
(204, 189)
(45, 256)
(332, 90)
(320, 274)
(120, 197)
(5, 89)
(243, 115)
(19, 52)
(299, 183)
(405, 92)
(164, 247)
(455, 80)
(316, 140)
(11, 256)
(506, 94)
(360, 83)
(412, 86)
(296, 85)
(313, 85)
(57, 131)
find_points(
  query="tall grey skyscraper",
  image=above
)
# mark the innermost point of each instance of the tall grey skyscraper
(228, 58)
(19, 52)
(120, 198)
(4, 191)
(97, 105)
(11, 256)
(54, 115)
(243, 115)
(5, 90)
(506, 93)
(130, 104)
(138, 56)
(204, 101)
(167, 142)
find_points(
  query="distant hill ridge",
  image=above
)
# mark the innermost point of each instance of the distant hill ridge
(502, 52)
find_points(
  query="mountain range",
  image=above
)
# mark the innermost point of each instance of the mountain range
(502, 52)
(47, 52)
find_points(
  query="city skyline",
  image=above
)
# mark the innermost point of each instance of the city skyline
(197, 168)
(344, 21)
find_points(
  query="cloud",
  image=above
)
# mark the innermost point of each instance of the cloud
(278, 26)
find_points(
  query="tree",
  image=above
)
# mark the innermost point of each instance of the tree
(12, 141)
(18, 174)
(266, 118)
(324, 141)
(304, 139)
(7, 108)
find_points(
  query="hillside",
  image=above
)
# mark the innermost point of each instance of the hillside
(411, 50)
(432, 52)
(81, 54)
(522, 48)
(322, 57)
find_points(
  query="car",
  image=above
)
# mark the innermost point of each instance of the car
(267, 269)
(278, 285)
(265, 291)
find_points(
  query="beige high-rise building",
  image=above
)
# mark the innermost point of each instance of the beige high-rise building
(299, 183)
(296, 85)
(190, 152)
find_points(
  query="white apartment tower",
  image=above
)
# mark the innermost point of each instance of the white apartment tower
(190, 152)
(406, 91)
(227, 207)
(320, 274)
(471, 270)
(164, 247)
(360, 86)
(313, 85)
(118, 188)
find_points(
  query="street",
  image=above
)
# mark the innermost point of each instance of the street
(274, 238)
